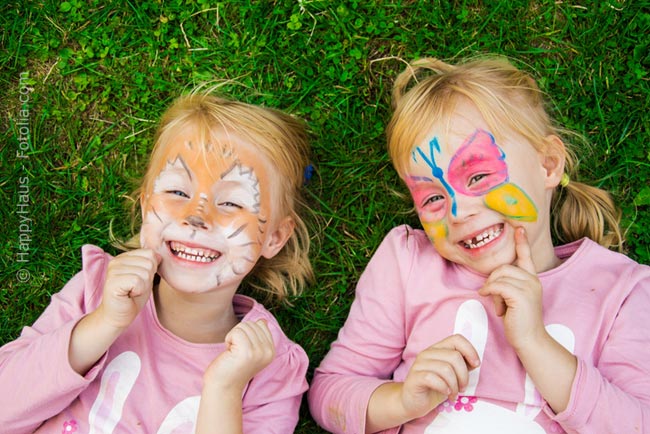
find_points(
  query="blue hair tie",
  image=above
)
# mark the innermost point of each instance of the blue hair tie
(307, 174)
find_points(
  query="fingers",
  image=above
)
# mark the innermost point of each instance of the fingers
(127, 286)
(249, 349)
(254, 332)
(445, 366)
(141, 259)
(133, 271)
(504, 287)
(460, 344)
(500, 305)
(252, 339)
(524, 254)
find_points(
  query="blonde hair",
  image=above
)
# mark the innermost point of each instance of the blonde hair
(283, 140)
(510, 101)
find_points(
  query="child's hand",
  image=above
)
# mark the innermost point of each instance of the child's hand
(440, 372)
(517, 295)
(128, 284)
(249, 349)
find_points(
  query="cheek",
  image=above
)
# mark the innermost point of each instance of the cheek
(512, 202)
(161, 210)
(436, 231)
(244, 233)
(155, 217)
(429, 216)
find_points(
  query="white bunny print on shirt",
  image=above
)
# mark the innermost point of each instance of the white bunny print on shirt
(116, 384)
(469, 414)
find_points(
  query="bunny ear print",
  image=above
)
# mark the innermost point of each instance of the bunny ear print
(181, 418)
(471, 322)
(533, 402)
(116, 384)
(563, 335)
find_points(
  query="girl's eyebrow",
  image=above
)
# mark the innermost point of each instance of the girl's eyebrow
(187, 170)
(179, 159)
(419, 178)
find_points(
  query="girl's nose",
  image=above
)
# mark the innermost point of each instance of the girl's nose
(196, 221)
(465, 207)
(198, 213)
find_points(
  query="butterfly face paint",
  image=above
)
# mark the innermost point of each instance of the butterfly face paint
(207, 213)
(477, 169)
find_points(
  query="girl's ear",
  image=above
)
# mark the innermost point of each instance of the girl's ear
(278, 238)
(553, 160)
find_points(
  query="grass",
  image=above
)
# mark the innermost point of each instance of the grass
(97, 75)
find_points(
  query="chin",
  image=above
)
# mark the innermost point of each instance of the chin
(486, 263)
(492, 264)
(186, 282)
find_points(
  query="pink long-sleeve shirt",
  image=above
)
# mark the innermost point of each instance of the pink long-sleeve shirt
(149, 381)
(596, 304)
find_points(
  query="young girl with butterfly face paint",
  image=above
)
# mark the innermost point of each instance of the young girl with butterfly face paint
(478, 323)
(156, 339)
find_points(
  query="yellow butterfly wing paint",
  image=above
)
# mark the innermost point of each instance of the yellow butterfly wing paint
(511, 201)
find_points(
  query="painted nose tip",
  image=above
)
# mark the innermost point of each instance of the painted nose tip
(196, 222)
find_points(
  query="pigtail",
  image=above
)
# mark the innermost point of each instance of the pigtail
(581, 210)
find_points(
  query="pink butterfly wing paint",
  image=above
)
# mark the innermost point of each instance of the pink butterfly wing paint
(479, 155)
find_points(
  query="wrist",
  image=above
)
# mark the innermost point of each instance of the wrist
(90, 339)
(552, 369)
(104, 324)
(532, 342)
(390, 407)
(223, 384)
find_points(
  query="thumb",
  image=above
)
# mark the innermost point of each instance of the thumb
(522, 248)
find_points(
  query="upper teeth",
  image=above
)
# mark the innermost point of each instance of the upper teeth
(482, 239)
(193, 254)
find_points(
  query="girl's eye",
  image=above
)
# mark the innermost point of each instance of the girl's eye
(433, 199)
(230, 204)
(476, 178)
(178, 193)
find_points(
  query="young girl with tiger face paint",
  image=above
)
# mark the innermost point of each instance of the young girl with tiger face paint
(157, 339)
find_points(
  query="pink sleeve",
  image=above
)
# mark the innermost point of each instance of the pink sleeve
(272, 401)
(369, 346)
(614, 395)
(36, 364)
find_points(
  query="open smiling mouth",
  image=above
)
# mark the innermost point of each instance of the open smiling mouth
(484, 238)
(194, 254)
